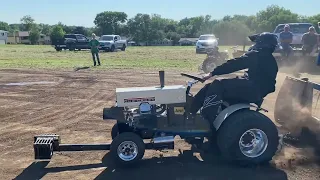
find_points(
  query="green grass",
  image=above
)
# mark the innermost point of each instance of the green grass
(45, 57)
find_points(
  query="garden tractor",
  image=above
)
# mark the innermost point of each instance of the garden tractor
(151, 118)
(160, 113)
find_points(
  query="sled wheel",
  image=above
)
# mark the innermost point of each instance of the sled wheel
(248, 137)
(127, 148)
(114, 131)
(209, 65)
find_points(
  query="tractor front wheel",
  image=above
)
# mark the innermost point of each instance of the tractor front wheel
(127, 148)
(248, 137)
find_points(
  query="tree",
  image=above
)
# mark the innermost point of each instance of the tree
(57, 33)
(140, 27)
(171, 26)
(314, 20)
(231, 32)
(34, 35)
(68, 29)
(28, 22)
(273, 15)
(175, 37)
(109, 21)
(45, 29)
(208, 27)
(4, 26)
(81, 30)
(146, 28)
(14, 27)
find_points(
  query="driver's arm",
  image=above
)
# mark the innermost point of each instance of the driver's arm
(236, 64)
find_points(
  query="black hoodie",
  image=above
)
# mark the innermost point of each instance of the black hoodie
(262, 69)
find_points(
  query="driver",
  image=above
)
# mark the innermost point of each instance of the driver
(258, 81)
(309, 41)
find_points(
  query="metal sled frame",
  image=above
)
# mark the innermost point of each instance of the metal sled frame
(46, 144)
(295, 91)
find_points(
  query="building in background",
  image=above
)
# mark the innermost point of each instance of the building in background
(22, 37)
(3, 37)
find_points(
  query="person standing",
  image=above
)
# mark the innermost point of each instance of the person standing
(94, 45)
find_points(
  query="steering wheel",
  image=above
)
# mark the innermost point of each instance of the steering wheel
(193, 77)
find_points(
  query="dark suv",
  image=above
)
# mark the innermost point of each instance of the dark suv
(72, 42)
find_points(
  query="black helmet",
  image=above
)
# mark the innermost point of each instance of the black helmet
(264, 40)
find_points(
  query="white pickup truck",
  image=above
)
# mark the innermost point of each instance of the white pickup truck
(112, 42)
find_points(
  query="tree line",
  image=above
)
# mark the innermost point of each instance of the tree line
(147, 28)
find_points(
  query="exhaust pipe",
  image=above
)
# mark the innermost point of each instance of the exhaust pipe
(161, 76)
(164, 142)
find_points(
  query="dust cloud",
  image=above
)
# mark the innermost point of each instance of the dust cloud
(302, 145)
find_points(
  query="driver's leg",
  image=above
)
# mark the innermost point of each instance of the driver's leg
(235, 89)
(198, 100)
(212, 100)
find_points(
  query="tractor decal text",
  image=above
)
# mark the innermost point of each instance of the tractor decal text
(209, 101)
(179, 110)
(139, 99)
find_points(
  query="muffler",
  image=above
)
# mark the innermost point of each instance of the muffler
(163, 142)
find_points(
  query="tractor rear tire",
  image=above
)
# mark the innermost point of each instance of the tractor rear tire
(247, 124)
(127, 149)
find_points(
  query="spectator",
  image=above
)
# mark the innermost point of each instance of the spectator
(285, 40)
(94, 45)
(309, 41)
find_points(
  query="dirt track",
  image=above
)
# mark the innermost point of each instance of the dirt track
(72, 107)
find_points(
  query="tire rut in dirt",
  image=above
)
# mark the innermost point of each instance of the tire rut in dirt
(51, 116)
(86, 107)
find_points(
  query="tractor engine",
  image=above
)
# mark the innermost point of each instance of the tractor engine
(144, 107)
(144, 116)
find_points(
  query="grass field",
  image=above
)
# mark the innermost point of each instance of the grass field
(169, 57)
(71, 105)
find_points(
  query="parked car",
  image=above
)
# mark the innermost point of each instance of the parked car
(112, 42)
(205, 42)
(71, 42)
(297, 29)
